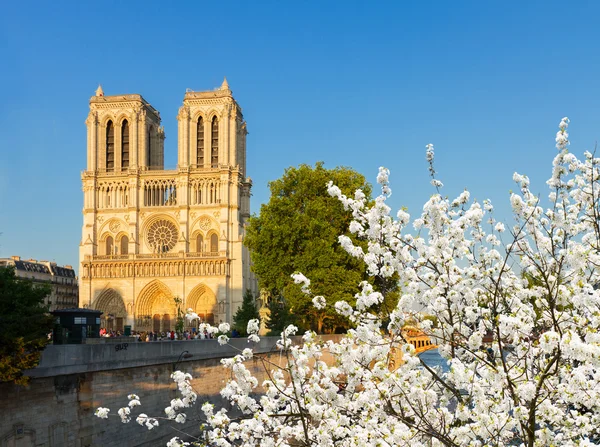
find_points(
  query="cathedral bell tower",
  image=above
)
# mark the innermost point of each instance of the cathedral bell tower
(157, 241)
(124, 133)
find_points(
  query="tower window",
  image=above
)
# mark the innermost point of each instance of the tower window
(199, 243)
(214, 151)
(109, 245)
(214, 243)
(200, 145)
(125, 144)
(124, 245)
(110, 146)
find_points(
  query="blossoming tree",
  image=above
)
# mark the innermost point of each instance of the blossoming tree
(518, 320)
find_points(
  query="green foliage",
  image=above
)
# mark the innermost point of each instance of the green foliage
(279, 317)
(179, 321)
(298, 231)
(245, 313)
(24, 325)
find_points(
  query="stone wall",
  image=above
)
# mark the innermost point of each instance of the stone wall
(57, 407)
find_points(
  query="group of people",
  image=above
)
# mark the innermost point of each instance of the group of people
(109, 333)
(172, 335)
(145, 336)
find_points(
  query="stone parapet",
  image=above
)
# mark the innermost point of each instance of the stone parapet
(60, 360)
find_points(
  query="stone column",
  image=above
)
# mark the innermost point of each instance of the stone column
(92, 125)
(207, 141)
(186, 138)
(142, 128)
(133, 139)
(226, 149)
(180, 136)
(118, 148)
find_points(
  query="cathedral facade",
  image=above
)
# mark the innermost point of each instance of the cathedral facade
(156, 241)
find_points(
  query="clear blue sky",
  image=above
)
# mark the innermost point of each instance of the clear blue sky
(360, 84)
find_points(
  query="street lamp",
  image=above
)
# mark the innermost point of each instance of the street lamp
(183, 355)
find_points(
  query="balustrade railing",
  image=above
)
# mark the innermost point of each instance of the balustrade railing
(152, 256)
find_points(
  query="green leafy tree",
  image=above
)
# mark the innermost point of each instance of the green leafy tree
(245, 313)
(298, 231)
(24, 325)
(279, 317)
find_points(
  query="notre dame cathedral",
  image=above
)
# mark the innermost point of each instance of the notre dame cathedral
(153, 238)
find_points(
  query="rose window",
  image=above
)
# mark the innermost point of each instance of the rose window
(162, 236)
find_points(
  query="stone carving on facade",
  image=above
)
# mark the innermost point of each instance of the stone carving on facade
(92, 118)
(205, 223)
(111, 302)
(114, 225)
(136, 112)
(217, 214)
(205, 191)
(162, 236)
(145, 268)
(184, 113)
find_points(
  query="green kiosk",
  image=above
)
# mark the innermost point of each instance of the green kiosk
(74, 326)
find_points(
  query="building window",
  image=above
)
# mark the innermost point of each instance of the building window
(214, 151)
(110, 146)
(200, 145)
(109, 245)
(214, 243)
(79, 320)
(124, 245)
(125, 144)
(199, 243)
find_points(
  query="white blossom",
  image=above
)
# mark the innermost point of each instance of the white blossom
(516, 320)
(124, 414)
(299, 278)
(176, 442)
(319, 302)
(102, 413)
(253, 326)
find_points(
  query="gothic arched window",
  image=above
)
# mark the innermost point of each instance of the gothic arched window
(200, 141)
(109, 245)
(214, 243)
(110, 146)
(124, 245)
(214, 150)
(199, 244)
(125, 144)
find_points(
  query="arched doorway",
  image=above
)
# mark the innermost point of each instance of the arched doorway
(155, 308)
(110, 302)
(203, 301)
